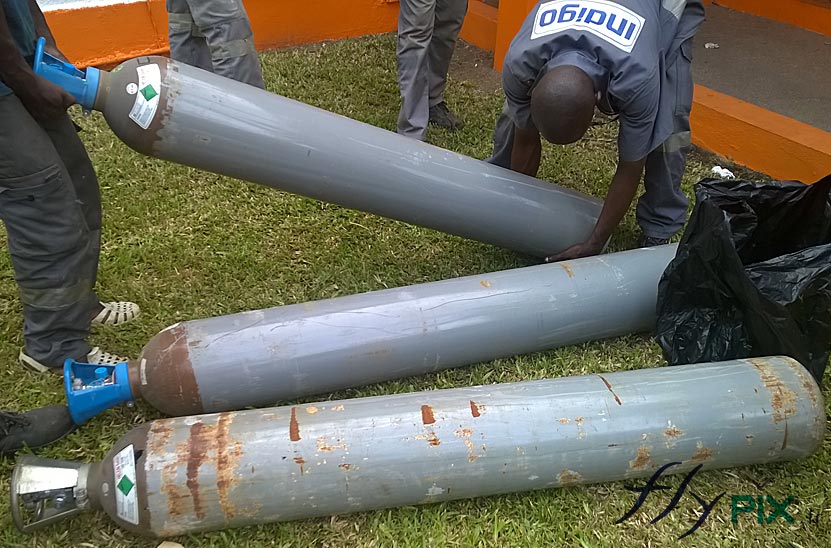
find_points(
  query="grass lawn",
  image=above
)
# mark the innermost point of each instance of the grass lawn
(187, 244)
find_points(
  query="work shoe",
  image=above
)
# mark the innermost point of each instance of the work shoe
(34, 428)
(95, 356)
(442, 116)
(116, 313)
(650, 241)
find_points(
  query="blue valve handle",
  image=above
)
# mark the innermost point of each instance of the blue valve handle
(93, 388)
(83, 85)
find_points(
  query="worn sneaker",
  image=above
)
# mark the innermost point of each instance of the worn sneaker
(442, 116)
(116, 313)
(95, 356)
(34, 428)
(650, 241)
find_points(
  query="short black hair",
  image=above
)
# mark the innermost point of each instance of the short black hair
(562, 104)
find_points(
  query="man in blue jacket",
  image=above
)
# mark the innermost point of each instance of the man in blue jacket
(630, 58)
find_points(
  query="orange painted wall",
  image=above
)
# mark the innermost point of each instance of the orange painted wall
(98, 36)
(479, 27)
(760, 139)
(511, 15)
(108, 35)
(281, 23)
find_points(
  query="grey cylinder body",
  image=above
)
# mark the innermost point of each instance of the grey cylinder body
(262, 357)
(199, 119)
(241, 468)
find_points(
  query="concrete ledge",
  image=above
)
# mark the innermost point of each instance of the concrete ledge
(812, 15)
(759, 139)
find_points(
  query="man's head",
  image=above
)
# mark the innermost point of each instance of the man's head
(562, 104)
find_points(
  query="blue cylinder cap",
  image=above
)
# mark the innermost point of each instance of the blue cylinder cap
(83, 85)
(93, 388)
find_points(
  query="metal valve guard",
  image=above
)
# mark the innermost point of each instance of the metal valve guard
(48, 490)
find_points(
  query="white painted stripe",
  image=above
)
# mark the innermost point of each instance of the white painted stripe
(52, 5)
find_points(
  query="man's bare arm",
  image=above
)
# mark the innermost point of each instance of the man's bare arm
(621, 193)
(526, 151)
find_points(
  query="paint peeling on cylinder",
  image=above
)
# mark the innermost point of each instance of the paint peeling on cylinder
(240, 468)
(299, 350)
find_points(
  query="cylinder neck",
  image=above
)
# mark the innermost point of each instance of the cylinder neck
(101, 98)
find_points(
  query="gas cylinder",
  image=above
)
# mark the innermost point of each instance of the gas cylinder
(262, 357)
(176, 112)
(189, 474)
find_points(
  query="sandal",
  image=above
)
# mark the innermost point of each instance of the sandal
(95, 356)
(116, 313)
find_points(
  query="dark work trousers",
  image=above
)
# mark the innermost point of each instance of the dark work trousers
(427, 34)
(214, 35)
(51, 207)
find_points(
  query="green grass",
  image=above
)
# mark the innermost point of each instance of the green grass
(187, 244)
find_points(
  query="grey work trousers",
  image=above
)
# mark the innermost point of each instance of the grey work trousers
(51, 206)
(662, 209)
(214, 35)
(427, 34)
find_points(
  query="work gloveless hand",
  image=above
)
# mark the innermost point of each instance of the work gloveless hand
(585, 249)
(44, 100)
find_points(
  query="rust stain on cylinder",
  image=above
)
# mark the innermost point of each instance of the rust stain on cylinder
(808, 382)
(431, 438)
(311, 410)
(474, 409)
(228, 455)
(782, 398)
(294, 428)
(196, 455)
(701, 453)
(568, 269)
(485, 283)
(346, 466)
(609, 387)
(464, 434)
(323, 446)
(301, 461)
(171, 382)
(160, 434)
(427, 415)
(641, 460)
(569, 477)
(673, 432)
(178, 497)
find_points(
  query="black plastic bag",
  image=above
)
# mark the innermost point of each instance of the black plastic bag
(752, 275)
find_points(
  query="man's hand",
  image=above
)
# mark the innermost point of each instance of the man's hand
(586, 249)
(618, 199)
(43, 99)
